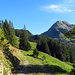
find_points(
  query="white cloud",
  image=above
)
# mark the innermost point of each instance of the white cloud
(64, 7)
(61, 8)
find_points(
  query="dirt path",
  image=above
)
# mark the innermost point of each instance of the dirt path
(24, 70)
(33, 69)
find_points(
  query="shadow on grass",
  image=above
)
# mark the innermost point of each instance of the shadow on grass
(40, 69)
(13, 59)
(36, 57)
(26, 69)
(56, 69)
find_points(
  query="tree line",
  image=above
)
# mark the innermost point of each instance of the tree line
(54, 48)
(62, 51)
(9, 34)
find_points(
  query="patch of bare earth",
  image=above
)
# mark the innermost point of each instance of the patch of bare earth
(24, 69)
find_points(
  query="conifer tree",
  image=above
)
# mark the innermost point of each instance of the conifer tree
(10, 33)
(43, 46)
(6, 29)
(24, 44)
(72, 58)
(0, 23)
(50, 44)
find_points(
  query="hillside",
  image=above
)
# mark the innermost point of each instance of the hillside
(36, 38)
(46, 65)
(17, 61)
(43, 65)
(58, 29)
(18, 32)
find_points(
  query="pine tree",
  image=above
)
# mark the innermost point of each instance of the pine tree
(65, 53)
(24, 44)
(43, 46)
(72, 57)
(10, 33)
(6, 29)
(50, 44)
(0, 23)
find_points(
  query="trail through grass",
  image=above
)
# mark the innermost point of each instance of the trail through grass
(43, 65)
(52, 64)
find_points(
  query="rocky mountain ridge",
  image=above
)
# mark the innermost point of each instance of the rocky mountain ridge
(58, 29)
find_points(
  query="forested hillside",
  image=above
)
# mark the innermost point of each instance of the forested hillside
(45, 56)
(62, 51)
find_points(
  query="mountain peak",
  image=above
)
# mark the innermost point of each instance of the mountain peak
(58, 29)
(63, 22)
(59, 21)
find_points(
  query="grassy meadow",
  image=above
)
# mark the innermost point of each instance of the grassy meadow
(53, 65)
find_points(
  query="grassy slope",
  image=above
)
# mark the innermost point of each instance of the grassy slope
(6, 63)
(56, 66)
(53, 65)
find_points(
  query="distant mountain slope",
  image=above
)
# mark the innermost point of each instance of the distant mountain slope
(58, 29)
(35, 38)
(18, 31)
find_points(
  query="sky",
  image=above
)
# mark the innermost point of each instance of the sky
(37, 15)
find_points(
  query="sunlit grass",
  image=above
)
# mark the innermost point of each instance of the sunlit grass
(48, 60)
(33, 45)
(37, 64)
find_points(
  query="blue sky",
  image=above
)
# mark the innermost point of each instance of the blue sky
(37, 15)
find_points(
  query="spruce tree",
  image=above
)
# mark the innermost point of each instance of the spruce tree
(24, 44)
(10, 33)
(43, 46)
(50, 44)
(6, 30)
(72, 58)
(0, 23)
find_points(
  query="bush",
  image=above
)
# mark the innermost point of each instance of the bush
(35, 53)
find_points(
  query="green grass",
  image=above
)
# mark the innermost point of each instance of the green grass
(33, 45)
(55, 62)
(5, 72)
(1, 34)
(6, 63)
(42, 63)
(70, 63)
(56, 66)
